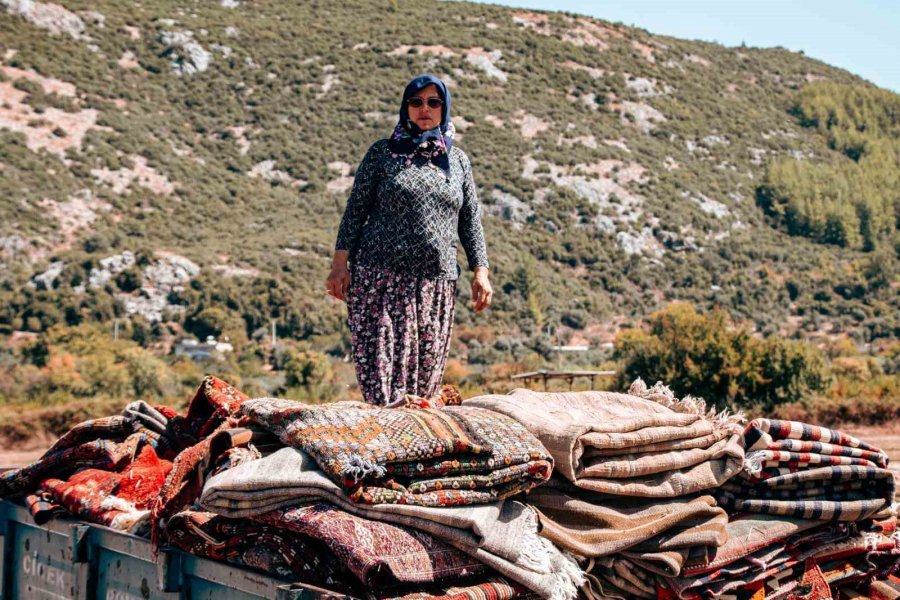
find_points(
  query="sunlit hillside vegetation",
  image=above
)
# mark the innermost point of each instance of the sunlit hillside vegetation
(181, 167)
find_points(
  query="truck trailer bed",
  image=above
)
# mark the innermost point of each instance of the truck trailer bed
(67, 559)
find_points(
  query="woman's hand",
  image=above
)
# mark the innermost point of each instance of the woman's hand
(482, 292)
(338, 282)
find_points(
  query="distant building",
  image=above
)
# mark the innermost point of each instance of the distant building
(196, 350)
(578, 348)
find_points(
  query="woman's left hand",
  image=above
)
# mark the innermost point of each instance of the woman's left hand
(482, 292)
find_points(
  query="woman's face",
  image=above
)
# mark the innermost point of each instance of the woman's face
(425, 116)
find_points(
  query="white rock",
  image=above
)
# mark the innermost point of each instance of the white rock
(109, 268)
(171, 271)
(342, 183)
(530, 125)
(97, 18)
(232, 271)
(52, 17)
(678, 242)
(604, 223)
(603, 183)
(45, 280)
(509, 208)
(757, 154)
(487, 62)
(148, 302)
(645, 116)
(12, 245)
(642, 243)
(223, 50)
(646, 87)
(708, 205)
(714, 140)
(266, 170)
(186, 56)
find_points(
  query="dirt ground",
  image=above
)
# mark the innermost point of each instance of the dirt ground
(888, 439)
(17, 458)
(25, 453)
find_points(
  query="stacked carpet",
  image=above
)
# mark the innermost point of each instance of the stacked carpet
(322, 547)
(430, 457)
(502, 535)
(653, 533)
(258, 546)
(651, 493)
(643, 444)
(801, 470)
(765, 550)
(631, 472)
(553, 495)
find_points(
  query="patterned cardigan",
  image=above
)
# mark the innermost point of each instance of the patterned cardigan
(406, 217)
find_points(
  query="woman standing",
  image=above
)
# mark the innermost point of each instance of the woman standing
(395, 257)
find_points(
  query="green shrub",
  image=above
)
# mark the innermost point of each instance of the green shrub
(704, 355)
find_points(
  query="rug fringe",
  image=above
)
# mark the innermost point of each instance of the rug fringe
(664, 395)
(359, 468)
(535, 555)
(753, 462)
(570, 578)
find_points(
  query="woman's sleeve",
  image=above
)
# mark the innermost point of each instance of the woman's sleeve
(360, 201)
(471, 233)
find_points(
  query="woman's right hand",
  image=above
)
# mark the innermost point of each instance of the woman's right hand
(338, 282)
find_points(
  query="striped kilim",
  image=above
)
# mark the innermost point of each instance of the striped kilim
(760, 550)
(493, 588)
(646, 443)
(801, 444)
(801, 470)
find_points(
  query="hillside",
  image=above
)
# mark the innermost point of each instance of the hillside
(185, 164)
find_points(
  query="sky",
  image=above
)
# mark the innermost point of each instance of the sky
(862, 36)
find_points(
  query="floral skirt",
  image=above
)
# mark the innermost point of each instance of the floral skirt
(400, 328)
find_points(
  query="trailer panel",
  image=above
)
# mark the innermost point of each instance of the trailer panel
(68, 559)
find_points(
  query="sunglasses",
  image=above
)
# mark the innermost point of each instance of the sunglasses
(417, 102)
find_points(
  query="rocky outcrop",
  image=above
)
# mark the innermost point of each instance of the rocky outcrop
(509, 208)
(169, 273)
(708, 205)
(266, 170)
(52, 17)
(642, 242)
(45, 280)
(487, 62)
(186, 56)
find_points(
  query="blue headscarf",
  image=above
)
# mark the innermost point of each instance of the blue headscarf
(408, 141)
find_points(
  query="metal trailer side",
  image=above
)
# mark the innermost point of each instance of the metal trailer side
(67, 559)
